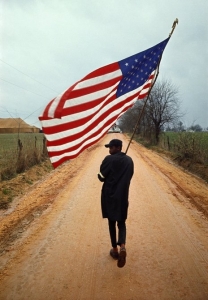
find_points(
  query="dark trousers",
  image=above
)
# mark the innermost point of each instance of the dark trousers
(121, 232)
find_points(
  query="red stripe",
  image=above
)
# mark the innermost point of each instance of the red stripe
(71, 94)
(99, 72)
(73, 124)
(88, 105)
(142, 96)
(93, 125)
(77, 122)
(58, 111)
(102, 71)
(75, 147)
(85, 106)
(80, 122)
(90, 89)
(45, 113)
(69, 156)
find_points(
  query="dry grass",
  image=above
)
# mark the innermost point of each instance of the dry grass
(20, 184)
(19, 153)
(24, 155)
(189, 150)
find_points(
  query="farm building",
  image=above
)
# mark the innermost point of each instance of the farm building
(16, 125)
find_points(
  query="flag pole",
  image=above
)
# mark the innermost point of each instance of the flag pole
(144, 105)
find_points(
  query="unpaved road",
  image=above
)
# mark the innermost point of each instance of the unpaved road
(55, 244)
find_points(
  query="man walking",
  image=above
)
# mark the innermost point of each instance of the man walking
(116, 172)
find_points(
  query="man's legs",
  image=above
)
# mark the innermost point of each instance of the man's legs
(121, 257)
(112, 231)
(121, 233)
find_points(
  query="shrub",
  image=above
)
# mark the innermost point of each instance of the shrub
(187, 145)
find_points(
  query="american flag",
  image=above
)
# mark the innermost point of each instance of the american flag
(83, 113)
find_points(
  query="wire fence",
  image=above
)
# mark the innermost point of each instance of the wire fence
(187, 145)
(19, 152)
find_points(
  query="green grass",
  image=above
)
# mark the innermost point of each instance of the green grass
(191, 145)
(188, 149)
(6, 191)
(12, 160)
(9, 141)
(173, 136)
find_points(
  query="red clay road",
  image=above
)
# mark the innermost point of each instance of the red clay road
(56, 244)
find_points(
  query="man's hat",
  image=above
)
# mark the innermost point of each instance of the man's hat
(115, 142)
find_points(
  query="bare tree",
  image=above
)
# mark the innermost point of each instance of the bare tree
(128, 120)
(163, 106)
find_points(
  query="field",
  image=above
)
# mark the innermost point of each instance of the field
(20, 151)
(10, 140)
(174, 137)
(187, 149)
(189, 145)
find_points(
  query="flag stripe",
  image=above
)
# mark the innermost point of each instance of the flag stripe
(82, 118)
(75, 150)
(57, 160)
(70, 138)
(94, 78)
(99, 79)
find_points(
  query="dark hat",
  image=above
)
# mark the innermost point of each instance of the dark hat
(115, 142)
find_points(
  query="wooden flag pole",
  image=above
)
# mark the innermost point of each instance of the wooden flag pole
(144, 105)
(142, 111)
(173, 27)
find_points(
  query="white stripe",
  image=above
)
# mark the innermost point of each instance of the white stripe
(97, 137)
(101, 175)
(99, 126)
(98, 79)
(76, 116)
(80, 85)
(82, 99)
(54, 105)
(89, 97)
(80, 115)
(144, 91)
(62, 134)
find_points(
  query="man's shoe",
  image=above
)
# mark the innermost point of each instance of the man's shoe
(122, 258)
(114, 254)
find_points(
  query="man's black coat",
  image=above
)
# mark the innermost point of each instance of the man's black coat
(116, 172)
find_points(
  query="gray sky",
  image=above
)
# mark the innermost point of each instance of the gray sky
(57, 42)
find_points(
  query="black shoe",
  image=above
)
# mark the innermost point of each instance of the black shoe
(114, 254)
(122, 258)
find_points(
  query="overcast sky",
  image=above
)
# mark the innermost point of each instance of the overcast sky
(47, 45)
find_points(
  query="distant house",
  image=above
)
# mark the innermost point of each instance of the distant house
(16, 125)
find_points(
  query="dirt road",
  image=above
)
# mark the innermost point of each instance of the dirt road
(55, 244)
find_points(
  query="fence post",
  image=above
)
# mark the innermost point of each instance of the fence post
(44, 146)
(20, 146)
(168, 140)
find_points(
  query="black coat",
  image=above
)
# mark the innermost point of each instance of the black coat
(116, 172)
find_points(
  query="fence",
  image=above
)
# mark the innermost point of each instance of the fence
(187, 145)
(19, 152)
